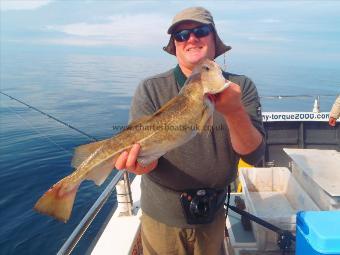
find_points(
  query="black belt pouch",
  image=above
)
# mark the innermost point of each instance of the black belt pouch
(201, 205)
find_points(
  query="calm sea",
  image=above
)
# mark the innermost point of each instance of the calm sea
(92, 93)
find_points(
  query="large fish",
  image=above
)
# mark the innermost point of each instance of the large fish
(172, 125)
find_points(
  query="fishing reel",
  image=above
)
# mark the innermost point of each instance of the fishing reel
(285, 240)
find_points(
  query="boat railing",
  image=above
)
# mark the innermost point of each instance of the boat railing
(79, 231)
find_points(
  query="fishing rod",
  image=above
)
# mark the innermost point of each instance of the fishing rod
(50, 116)
(296, 96)
(94, 139)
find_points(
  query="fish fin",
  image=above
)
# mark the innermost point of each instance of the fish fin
(58, 200)
(146, 160)
(206, 122)
(208, 125)
(177, 101)
(193, 78)
(138, 121)
(82, 152)
(100, 172)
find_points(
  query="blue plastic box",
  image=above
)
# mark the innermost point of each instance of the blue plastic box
(318, 232)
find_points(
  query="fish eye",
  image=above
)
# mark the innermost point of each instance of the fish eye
(205, 67)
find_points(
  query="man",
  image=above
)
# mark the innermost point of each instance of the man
(335, 112)
(205, 162)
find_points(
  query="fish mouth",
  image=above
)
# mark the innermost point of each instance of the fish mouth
(211, 96)
(226, 85)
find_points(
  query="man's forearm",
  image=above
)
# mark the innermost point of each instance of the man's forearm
(245, 138)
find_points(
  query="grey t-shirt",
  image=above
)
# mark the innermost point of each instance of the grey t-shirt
(206, 161)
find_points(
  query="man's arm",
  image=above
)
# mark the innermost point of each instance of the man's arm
(335, 112)
(245, 138)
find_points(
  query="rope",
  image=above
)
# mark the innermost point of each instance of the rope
(224, 63)
(50, 116)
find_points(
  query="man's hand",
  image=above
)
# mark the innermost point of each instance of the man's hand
(229, 100)
(128, 160)
(332, 121)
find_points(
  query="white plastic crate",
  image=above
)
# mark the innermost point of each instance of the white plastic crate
(242, 251)
(235, 242)
(237, 236)
(318, 172)
(273, 195)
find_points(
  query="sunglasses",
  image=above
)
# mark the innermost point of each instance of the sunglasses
(183, 35)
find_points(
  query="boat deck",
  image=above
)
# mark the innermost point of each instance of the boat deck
(122, 233)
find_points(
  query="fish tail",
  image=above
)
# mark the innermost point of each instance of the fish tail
(58, 200)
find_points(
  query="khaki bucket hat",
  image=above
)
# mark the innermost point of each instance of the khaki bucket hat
(200, 15)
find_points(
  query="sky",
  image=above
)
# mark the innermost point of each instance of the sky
(287, 31)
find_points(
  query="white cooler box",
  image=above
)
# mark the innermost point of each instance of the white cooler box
(318, 172)
(273, 195)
